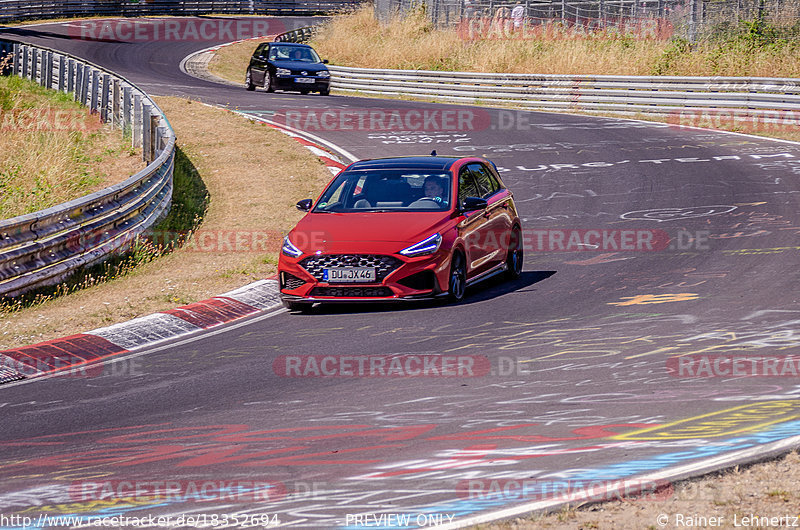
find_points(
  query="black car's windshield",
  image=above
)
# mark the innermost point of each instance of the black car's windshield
(387, 190)
(291, 52)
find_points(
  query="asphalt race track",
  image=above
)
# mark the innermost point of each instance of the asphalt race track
(569, 381)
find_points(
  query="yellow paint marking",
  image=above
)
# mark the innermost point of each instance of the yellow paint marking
(744, 418)
(655, 299)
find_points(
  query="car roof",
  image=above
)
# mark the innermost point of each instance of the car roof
(439, 163)
(289, 44)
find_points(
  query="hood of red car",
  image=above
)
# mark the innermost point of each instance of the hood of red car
(365, 232)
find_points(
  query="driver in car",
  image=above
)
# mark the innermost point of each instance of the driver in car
(433, 188)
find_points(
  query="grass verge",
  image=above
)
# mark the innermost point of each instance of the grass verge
(234, 179)
(53, 150)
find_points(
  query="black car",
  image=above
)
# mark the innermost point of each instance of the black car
(288, 66)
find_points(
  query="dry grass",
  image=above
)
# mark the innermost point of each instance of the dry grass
(359, 40)
(53, 150)
(230, 62)
(254, 175)
(768, 489)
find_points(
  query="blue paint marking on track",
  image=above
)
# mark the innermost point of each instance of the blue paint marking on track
(616, 471)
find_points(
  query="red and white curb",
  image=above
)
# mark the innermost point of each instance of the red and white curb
(69, 353)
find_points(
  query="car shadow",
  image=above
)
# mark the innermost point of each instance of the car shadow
(481, 292)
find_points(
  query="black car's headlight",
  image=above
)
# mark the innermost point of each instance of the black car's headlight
(289, 249)
(427, 246)
(283, 71)
(323, 73)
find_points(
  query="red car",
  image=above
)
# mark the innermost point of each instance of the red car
(402, 229)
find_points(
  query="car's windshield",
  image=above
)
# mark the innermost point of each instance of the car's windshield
(387, 190)
(289, 52)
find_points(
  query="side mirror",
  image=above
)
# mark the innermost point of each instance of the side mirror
(471, 204)
(305, 205)
(324, 61)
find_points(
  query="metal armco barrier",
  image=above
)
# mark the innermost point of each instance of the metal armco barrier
(42, 248)
(37, 9)
(594, 93)
(296, 35)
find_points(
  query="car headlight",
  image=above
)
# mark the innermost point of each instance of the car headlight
(323, 73)
(283, 71)
(289, 249)
(427, 246)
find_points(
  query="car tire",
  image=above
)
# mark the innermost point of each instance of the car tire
(248, 81)
(457, 283)
(325, 92)
(301, 307)
(514, 258)
(268, 82)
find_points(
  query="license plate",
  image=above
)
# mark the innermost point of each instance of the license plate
(303, 80)
(348, 275)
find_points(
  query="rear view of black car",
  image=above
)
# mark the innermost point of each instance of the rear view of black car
(287, 66)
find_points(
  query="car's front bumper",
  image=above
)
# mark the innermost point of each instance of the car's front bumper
(418, 278)
(310, 83)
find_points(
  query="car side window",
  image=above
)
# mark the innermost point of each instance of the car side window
(261, 50)
(466, 185)
(486, 182)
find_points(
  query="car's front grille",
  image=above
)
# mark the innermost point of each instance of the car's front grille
(290, 281)
(383, 265)
(352, 292)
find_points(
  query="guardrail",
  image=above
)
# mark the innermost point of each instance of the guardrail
(37, 9)
(296, 35)
(593, 93)
(44, 247)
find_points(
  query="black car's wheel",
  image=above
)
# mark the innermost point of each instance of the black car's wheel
(325, 92)
(515, 255)
(458, 278)
(302, 307)
(248, 81)
(268, 82)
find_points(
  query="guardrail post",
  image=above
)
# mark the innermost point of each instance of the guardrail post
(48, 70)
(147, 140)
(154, 139)
(116, 114)
(16, 59)
(155, 136)
(84, 84)
(127, 108)
(137, 121)
(62, 76)
(25, 61)
(70, 75)
(95, 86)
(78, 80)
(104, 87)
